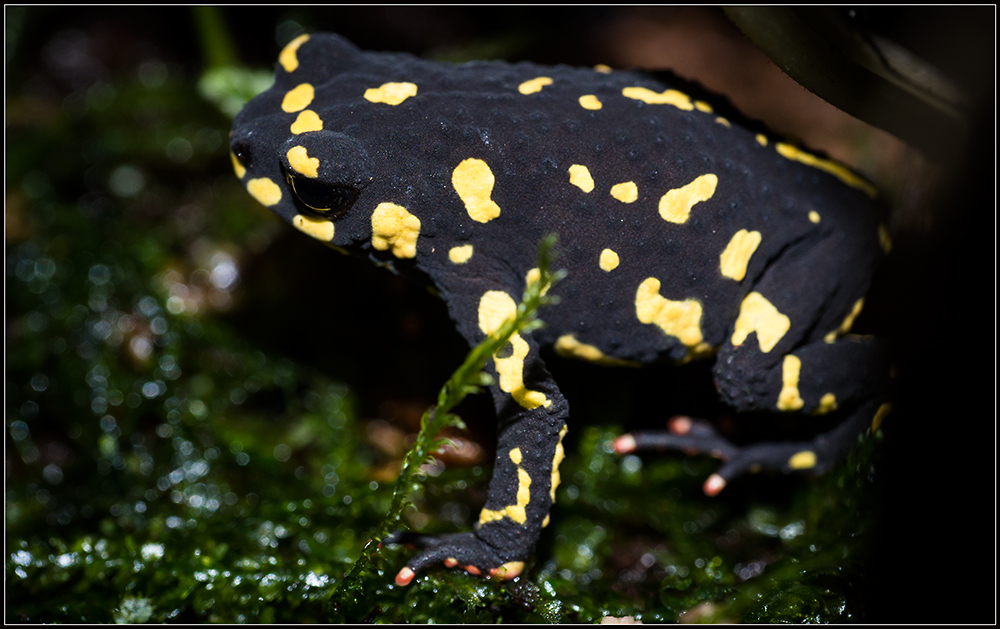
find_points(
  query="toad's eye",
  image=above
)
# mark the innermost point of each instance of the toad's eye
(321, 199)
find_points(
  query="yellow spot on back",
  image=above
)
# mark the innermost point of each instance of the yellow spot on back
(515, 512)
(496, 307)
(722, 121)
(316, 227)
(701, 105)
(676, 318)
(736, 256)
(845, 325)
(299, 160)
(589, 101)
(298, 98)
(460, 255)
(567, 345)
(880, 415)
(534, 85)
(758, 315)
(288, 58)
(580, 177)
(802, 460)
(602, 68)
(837, 170)
(390, 93)
(626, 192)
(884, 240)
(668, 97)
(813, 216)
(237, 166)
(827, 404)
(761, 139)
(308, 120)
(557, 458)
(393, 226)
(789, 398)
(608, 261)
(473, 181)
(265, 191)
(675, 205)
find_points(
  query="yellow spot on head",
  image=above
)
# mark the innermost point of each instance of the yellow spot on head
(676, 318)
(567, 345)
(602, 68)
(288, 58)
(495, 308)
(308, 120)
(580, 177)
(626, 192)
(390, 93)
(668, 97)
(237, 166)
(758, 315)
(299, 160)
(675, 205)
(265, 191)
(608, 261)
(880, 415)
(813, 216)
(884, 240)
(761, 139)
(534, 85)
(701, 105)
(318, 228)
(589, 101)
(736, 256)
(393, 226)
(473, 181)
(460, 255)
(827, 404)
(837, 170)
(802, 460)
(298, 98)
(789, 398)
(722, 121)
(557, 458)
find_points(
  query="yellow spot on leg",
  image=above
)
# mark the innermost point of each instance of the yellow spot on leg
(473, 181)
(265, 191)
(668, 97)
(589, 101)
(393, 226)
(299, 160)
(316, 227)
(298, 98)
(845, 326)
(880, 415)
(580, 177)
(608, 261)
(557, 458)
(237, 166)
(802, 460)
(567, 345)
(789, 399)
(534, 85)
(837, 170)
(758, 315)
(517, 511)
(736, 256)
(496, 307)
(288, 58)
(391, 93)
(675, 205)
(460, 255)
(813, 216)
(626, 192)
(676, 318)
(306, 121)
(827, 404)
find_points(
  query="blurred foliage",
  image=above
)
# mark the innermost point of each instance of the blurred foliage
(166, 466)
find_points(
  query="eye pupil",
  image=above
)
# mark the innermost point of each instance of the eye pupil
(243, 153)
(322, 199)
